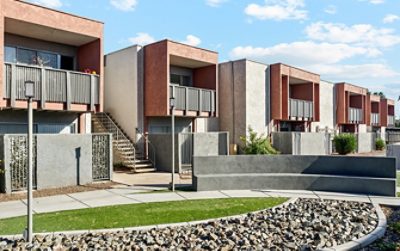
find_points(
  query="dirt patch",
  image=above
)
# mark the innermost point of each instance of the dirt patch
(59, 191)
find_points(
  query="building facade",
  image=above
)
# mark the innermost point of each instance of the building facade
(62, 54)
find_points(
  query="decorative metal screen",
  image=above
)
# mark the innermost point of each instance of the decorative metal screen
(19, 162)
(101, 157)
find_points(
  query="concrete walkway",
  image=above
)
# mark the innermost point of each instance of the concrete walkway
(134, 195)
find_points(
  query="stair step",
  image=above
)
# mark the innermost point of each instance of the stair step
(145, 170)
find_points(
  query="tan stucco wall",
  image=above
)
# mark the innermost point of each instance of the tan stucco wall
(121, 88)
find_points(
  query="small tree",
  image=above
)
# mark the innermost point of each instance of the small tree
(345, 143)
(257, 144)
(380, 144)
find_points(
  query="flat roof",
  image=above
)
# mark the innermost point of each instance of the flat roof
(175, 42)
(63, 12)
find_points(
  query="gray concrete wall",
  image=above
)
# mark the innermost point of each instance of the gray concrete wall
(297, 143)
(211, 144)
(394, 152)
(121, 88)
(367, 175)
(61, 160)
(365, 142)
(327, 105)
(162, 144)
(3, 173)
(283, 142)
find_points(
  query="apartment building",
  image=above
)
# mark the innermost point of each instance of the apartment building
(62, 54)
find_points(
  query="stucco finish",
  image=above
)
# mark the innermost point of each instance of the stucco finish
(393, 151)
(210, 144)
(327, 107)
(366, 175)
(298, 143)
(365, 142)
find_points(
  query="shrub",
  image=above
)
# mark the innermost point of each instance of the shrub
(257, 144)
(380, 144)
(345, 143)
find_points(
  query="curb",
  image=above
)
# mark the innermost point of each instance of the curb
(368, 239)
(143, 228)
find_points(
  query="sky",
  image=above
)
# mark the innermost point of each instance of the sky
(355, 41)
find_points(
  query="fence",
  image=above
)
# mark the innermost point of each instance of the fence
(52, 85)
(392, 137)
(302, 143)
(193, 99)
(355, 115)
(301, 108)
(68, 159)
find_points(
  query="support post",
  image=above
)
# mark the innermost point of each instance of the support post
(30, 172)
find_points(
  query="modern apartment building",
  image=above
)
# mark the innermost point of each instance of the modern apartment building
(62, 54)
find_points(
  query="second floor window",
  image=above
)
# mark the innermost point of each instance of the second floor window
(31, 57)
(181, 80)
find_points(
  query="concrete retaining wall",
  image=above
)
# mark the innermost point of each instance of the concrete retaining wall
(365, 175)
(365, 142)
(394, 152)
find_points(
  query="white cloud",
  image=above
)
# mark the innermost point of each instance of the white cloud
(124, 5)
(142, 39)
(215, 3)
(278, 10)
(359, 34)
(192, 40)
(390, 18)
(373, 1)
(358, 71)
(303, 53)
(48, 3)
(331, 9)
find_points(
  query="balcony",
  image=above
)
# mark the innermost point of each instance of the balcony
(391, 120)
(191, 99)
(375, 119)
(355, 115)
(301, 109)
(52, 85)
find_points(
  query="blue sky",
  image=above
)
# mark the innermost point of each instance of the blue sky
(356, 41)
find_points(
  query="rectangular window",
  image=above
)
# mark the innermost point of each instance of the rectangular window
(175, 79)
(47, 59)
(180, 80)
(10, 54)
(26, 56)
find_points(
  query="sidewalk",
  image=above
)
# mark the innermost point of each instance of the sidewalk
(132, 195)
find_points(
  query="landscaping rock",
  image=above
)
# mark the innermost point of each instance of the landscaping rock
(306, 224)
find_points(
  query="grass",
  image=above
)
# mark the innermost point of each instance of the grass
(138, 214)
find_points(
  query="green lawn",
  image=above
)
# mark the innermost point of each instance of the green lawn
(138, 214)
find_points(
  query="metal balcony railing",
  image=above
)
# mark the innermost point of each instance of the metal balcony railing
(301, 108)
(193, 99)
(52, 85)
(355, 115)
(375, 119)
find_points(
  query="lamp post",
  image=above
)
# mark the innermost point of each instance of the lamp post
(29, 94)
(172, 106)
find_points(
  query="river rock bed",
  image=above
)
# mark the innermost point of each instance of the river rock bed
(306, 224)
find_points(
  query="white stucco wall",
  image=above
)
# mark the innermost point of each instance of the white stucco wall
(121, 93)
(327, 104)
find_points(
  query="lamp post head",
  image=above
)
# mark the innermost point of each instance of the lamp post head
(172, 102)
(29, 89)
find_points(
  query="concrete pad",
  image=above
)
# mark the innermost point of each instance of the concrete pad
(12, 209)
(102, 198)
(156, 197)
(203, 195)
(245, 193)
(56, 203)
(289, 194)
(385, 201)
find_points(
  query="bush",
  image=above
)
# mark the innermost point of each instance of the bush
(345, 143)
(380, 144)
(257, 144)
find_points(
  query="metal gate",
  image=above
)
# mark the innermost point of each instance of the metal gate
(19, 162)
(101, 157)
(185, 151)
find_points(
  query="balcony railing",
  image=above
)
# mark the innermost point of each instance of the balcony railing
(301, 108)
(375, 118)
(193, 99)
(52, 85)
(355, 115)
(390, 120)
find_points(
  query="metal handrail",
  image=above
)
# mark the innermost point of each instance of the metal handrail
(118, 135)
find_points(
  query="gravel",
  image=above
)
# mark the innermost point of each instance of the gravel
(306, 224)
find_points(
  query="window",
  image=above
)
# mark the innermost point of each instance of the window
(181, 80)
(10, 54)
(25, 56)
(47, 59)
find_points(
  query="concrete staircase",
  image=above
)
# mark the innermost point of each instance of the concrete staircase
(123, 145)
